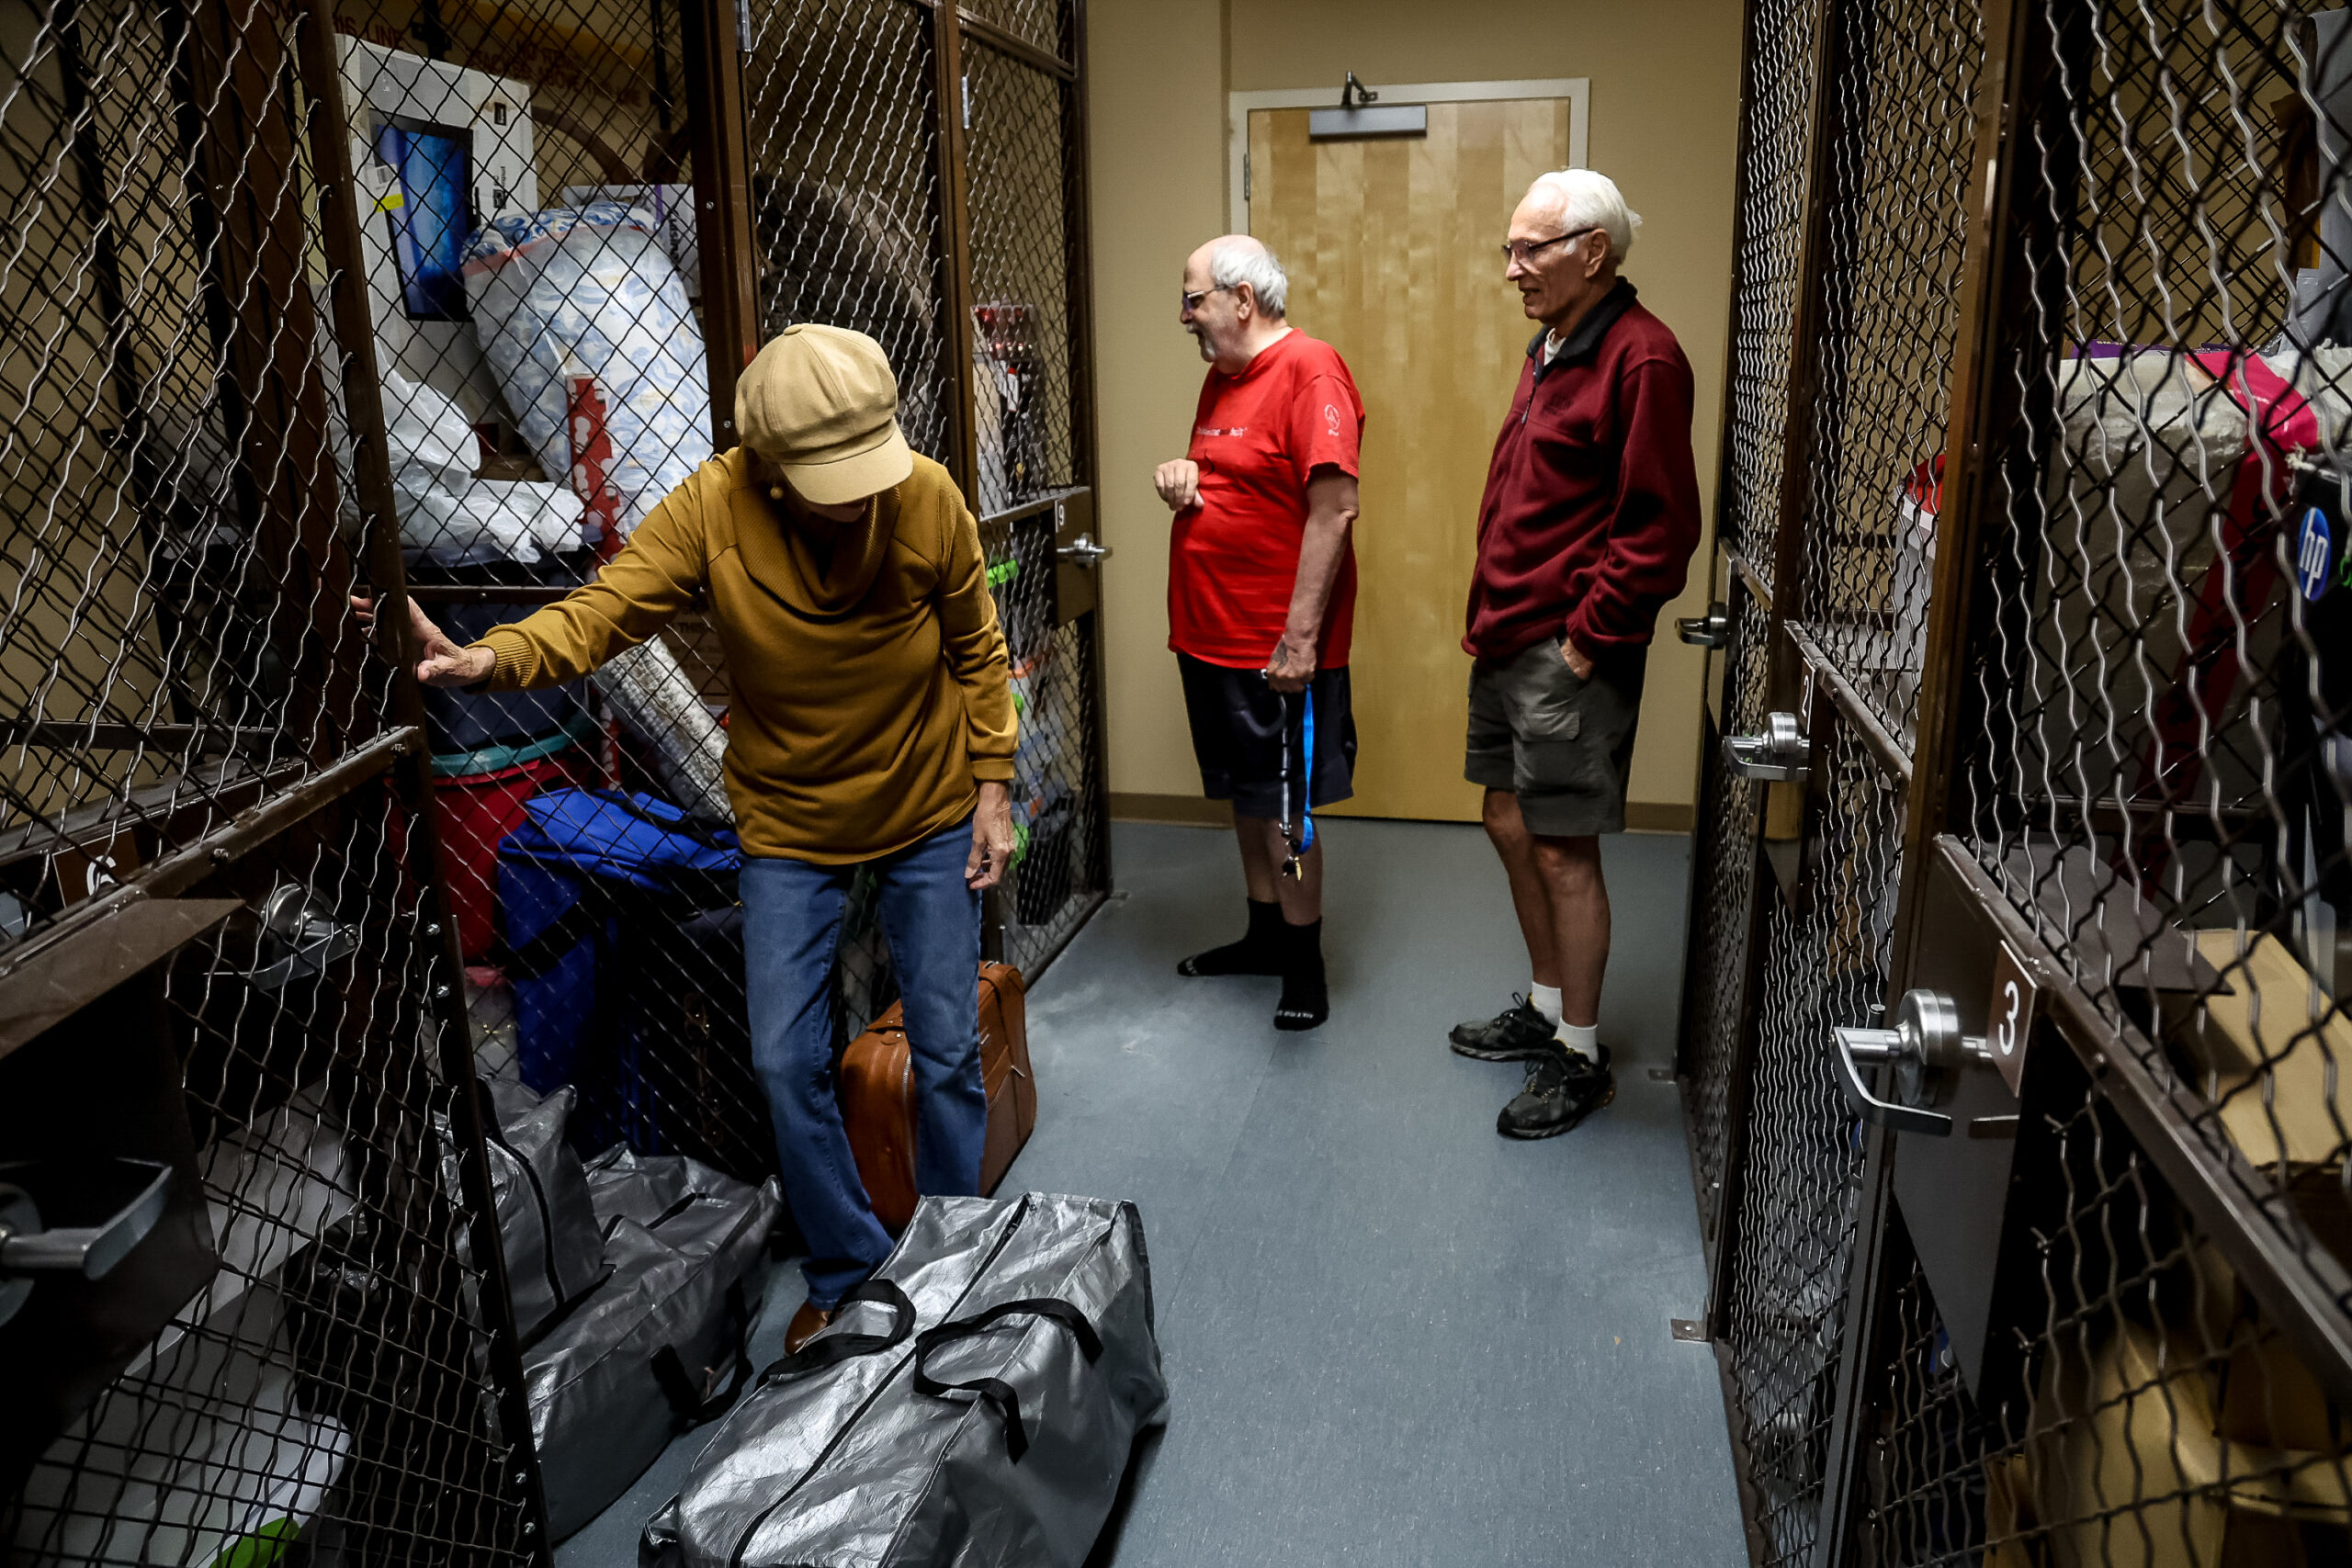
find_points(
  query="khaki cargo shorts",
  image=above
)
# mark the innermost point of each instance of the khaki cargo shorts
(1564, 745)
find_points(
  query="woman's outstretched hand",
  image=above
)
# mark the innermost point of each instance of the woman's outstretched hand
(440, 662)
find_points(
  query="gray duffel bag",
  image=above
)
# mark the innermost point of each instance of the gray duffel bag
(659, 1346)
(974, 1402)
(545, 1224)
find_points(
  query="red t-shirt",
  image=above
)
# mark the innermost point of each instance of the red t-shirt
(1233, 558)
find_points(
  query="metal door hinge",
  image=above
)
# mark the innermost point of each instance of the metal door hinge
(1691, 1331)
(1780, 755)
(1245, 177)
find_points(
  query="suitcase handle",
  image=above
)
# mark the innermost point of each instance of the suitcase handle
(830, 1348)
(996, 1390)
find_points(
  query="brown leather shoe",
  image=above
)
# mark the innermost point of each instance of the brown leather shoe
(806, 1325)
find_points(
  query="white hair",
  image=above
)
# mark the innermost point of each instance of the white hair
(1237, 262)
(1589, 201)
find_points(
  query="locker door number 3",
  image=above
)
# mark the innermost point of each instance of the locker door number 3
(2011, 1015)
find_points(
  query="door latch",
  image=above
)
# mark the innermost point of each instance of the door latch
(304, 938)
(29, 1247)
(1925, 1049)
(1780, 755)
(1083, 551)
(1710, 630)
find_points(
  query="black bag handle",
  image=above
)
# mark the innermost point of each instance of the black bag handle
(831, 1350)
(996, 1390)
(687, 1407)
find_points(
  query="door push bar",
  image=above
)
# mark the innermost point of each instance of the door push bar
(27, 1247)
(1710, 630)
(1780, 755)
(1925, 1047)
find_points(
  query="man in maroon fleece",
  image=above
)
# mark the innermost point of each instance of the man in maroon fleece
(1590, 515)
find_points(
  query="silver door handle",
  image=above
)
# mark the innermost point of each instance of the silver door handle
(1710, 630)
(1780, 755)
(1083, 551)
(1857, 1046)
(1925, 1042)
(91, 1251)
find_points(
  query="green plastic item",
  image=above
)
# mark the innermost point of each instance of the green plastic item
(1004, 572)
(580, 728)
(266, 1548)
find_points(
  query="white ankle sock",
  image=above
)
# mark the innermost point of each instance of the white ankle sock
(1584, 1037)
(1545, 999)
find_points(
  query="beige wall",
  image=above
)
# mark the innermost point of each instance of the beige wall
(1664, 114)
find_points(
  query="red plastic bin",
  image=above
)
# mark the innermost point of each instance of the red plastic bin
(474, 812)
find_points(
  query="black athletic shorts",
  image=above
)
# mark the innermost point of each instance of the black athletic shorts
(1239, 724)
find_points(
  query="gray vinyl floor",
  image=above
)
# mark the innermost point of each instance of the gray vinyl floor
(1392, 1337)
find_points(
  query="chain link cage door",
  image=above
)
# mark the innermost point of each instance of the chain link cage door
(224, 978)
(2117, 311)
(949, 237)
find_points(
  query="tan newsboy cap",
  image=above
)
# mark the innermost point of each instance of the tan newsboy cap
(820, 403)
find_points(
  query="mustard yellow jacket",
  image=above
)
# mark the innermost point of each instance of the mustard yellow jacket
(870, 692)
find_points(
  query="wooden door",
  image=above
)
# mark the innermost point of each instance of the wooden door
(1394, 253)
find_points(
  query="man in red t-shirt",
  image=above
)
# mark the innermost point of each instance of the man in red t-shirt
(1262, 592)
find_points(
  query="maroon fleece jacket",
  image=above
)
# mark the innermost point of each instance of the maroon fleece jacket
(1591, 508)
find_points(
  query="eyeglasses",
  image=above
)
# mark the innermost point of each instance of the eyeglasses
(1524, 251)
(1193, 302)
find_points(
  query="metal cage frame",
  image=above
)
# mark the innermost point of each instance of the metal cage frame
(2023, 573)
(226, 848)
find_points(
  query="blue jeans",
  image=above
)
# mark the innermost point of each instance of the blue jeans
(792, 927)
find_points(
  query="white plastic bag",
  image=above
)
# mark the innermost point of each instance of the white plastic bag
(591, 291)
(454, 517)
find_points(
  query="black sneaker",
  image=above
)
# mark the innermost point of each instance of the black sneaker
(1518, 1034)
(1562, 1088)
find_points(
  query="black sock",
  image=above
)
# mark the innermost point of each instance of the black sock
(1257, 953)
(1306, 1000)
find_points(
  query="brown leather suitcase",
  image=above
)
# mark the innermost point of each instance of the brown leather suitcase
(877, 1095)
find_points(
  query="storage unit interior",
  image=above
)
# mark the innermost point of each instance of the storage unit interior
(2010, 1015)
(314, 299)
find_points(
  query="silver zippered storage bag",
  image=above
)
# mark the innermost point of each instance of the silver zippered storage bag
(659, 1346)
(974, 1402)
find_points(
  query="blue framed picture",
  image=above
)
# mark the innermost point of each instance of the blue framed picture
(434, 216)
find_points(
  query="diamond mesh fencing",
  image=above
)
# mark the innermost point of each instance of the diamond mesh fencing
(853, 231)
(1040, 24)
(1060, 872)
(2154, 780)
(1776, 115)
(2148, 1410)
(1897, 172)
(172, 637)
(841, 117)
(1723, 907)
(1021, 354)
(1824, 964)
(1030, 444)
(302, 1351)
(2139, 1355)
(532, 239)
(505, 217)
